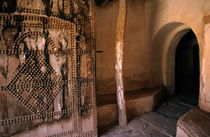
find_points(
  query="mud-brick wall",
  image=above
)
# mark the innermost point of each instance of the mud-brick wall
(165, 21)
(136, 61)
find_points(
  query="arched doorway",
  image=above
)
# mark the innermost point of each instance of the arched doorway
(163, 67)
(187, 69)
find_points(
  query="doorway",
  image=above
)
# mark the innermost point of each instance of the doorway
(187, 69)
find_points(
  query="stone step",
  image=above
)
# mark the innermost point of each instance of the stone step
(136, 128)
(172, 109)
(187, 105)
(145, 129)
(161, 123)
(164, 125)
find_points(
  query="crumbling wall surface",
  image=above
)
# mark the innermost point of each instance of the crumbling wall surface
(173, 17)
(47, 69)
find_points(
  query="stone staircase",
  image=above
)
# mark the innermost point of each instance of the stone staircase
(160, 123)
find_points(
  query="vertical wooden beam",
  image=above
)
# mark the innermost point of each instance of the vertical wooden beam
(120, 30)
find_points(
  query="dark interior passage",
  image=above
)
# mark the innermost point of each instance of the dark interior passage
(187, 69)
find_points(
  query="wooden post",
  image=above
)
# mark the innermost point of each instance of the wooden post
(120, 30)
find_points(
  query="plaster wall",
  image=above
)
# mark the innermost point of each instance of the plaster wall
(153, 30)
(166, 17)
(136, 63)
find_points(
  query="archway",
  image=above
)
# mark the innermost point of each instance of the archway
(187, 69)
(163, 54)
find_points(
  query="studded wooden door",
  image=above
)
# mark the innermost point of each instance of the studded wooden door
(47, 68)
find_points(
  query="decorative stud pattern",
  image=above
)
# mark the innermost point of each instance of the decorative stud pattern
(54, 78)
(33, 88)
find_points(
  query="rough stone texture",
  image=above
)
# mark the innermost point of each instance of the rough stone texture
(194, 123)
(161, 123)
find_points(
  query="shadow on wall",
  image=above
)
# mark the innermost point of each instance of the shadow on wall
(102, 3)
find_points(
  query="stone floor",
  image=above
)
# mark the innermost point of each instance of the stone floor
(160, 123)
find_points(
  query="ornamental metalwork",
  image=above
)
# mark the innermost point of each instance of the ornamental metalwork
(47, 68)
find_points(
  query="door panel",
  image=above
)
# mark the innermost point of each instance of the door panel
(47, 68)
